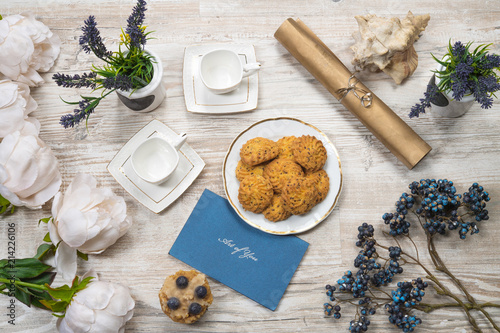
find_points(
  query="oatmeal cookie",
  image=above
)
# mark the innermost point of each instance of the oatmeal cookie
(279, 170)
(243, 170)
(321, 182)
(185, 296)
(285, 147)
(255, 193)
(309, 152)
(299, 195)
(276, 212)
(258, 150)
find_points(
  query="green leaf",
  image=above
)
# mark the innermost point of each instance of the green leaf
(43, 250)
(28, 268)
(55, 306)
(70, 103)
(39, 294)
(5, 204)
(83, 284)
(46, 238)
(64, 293)
(42, 279)
(443, 63)
(45, 220)
(84, 256)
(38, 304)
(23, 295)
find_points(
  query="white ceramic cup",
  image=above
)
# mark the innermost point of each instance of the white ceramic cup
(155, 159)
(221, 70)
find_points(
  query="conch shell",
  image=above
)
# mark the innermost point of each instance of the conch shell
(387, 44)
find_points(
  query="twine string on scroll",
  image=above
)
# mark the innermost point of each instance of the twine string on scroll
(366, 98)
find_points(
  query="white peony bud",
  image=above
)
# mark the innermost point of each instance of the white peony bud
(16, 104)
(87, 219)
(29, 172)
(27, 46)
(102, 307)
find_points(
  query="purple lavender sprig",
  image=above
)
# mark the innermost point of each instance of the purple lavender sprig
(483, 89)
(88, 104)
(120, 82)
(134, 25)
(76, 81)
(85, 108)
(419, 108)
(91, 41)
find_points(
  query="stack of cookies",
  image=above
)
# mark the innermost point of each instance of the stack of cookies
(283, 178)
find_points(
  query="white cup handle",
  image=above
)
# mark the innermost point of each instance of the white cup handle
(179, 141)
(250, 69)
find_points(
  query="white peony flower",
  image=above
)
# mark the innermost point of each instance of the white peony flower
(101, 307)
(16, 104)
(29, 172)
(87, 219)
(27, 46)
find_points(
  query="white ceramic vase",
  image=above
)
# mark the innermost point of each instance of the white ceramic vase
(445, 106)
(150, 97)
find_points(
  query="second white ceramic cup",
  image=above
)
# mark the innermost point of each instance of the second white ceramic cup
(221, 70)
(156, 159)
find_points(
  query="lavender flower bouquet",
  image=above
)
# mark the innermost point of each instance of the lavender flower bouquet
(464, 73)
(130, 68)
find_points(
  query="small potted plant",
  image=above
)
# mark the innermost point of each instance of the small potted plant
(462, 78)
(133, 72)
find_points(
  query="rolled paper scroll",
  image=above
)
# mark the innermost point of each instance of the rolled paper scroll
(320, 61)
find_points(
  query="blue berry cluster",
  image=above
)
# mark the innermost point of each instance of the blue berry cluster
(355, 284)
(330, 309)
(365, 260)
(365, 231)
(439, 208)
(369, 273)
(407, 295)
(397, 221)
(440, 203)
(384, 276)
(360, 325)
(476, 198)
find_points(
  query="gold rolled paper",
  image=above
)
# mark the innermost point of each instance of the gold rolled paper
(320, 61)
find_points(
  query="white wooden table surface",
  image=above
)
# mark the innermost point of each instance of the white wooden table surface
(465, 150)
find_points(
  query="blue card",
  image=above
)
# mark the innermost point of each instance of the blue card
(218, 243)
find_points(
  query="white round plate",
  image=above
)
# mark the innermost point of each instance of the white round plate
(275, 129)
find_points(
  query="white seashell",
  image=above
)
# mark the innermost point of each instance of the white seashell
(387, 44)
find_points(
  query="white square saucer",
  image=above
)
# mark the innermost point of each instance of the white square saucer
(155, 197)
(201, 100)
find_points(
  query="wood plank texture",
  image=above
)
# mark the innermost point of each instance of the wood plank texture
(465, 150)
